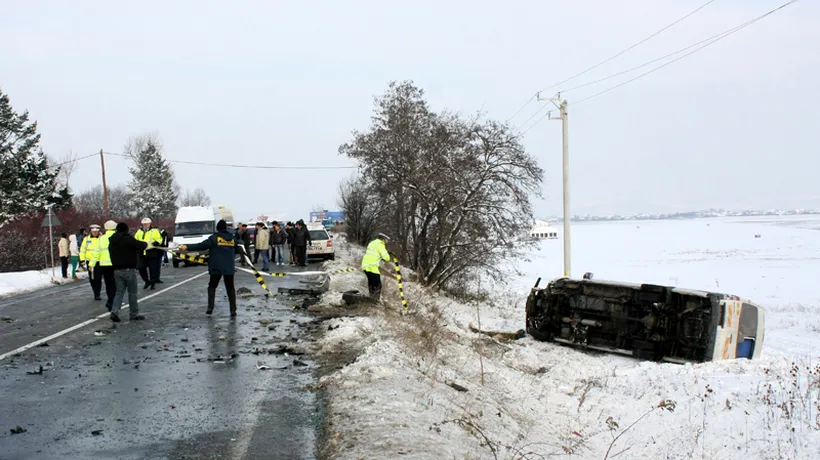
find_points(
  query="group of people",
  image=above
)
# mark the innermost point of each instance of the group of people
(277, 244)
(113, 258)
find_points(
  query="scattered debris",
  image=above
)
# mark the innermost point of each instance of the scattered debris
(262, 366)
(184, 339)
(97, 433)
(354, 298)
(37, 372)
(18, 430)
(44, 344)
(100, 333)
(456, 386)
(173, 406)
(501, 335)
(221, 337)
(7, 319)
(126, 361)
(297, 362)
(244, 292)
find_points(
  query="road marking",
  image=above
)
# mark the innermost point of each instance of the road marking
(92, 320)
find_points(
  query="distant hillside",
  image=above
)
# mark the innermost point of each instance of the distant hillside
(692, 215)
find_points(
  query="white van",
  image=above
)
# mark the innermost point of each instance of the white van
(194, 224)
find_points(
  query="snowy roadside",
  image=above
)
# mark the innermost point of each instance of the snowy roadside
(20, 282)
(399, 391)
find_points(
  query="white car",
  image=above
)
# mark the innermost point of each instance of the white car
(321, 243)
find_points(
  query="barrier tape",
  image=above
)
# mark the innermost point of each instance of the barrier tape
(398, 278)
(256, 273)
(204, 261)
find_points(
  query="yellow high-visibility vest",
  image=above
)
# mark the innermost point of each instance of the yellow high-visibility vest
(376, 252)
(90, 250)
(105, 257)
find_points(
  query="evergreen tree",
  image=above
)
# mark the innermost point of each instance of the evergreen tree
(152, 184)
(26, 182)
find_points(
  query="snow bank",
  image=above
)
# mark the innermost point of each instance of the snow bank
(19, 282)
(527, 399)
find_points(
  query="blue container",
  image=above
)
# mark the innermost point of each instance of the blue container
(744, 348)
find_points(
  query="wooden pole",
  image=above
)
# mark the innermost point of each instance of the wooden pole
(105, 186)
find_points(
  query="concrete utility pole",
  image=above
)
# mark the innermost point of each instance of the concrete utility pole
(105, 186)
(561, 104)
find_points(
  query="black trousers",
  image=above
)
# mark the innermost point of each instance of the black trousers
(213, 283)
(374, 284)
(149, 268)
(95, 278)
(107, 274)
(301, 255)
(64, 266)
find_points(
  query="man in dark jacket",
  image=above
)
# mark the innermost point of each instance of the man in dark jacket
(223, 248)
(279, 241)
(301, 240)
(125, 251)
(244, 239)
(289, 230)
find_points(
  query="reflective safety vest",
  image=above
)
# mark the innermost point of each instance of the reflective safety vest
(90, 251)
(150, 237)
(376, 252)
(105, 256)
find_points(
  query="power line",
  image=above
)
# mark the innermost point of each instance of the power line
(529, 101)
(224, 165)
(631, 47)
(530, 118)
(536, 122)
(719, 37)
(74, 160)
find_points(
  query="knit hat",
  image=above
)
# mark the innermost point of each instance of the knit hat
(221, 226)
(122, 227)
(110, 225)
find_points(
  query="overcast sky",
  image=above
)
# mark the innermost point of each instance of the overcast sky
(284, 83)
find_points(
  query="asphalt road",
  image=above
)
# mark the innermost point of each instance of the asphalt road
(179, 385)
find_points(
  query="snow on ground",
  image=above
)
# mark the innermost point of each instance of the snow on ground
(19, 282)
(540, 399)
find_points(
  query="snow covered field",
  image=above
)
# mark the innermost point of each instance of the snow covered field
(539, 399)
(19, 282)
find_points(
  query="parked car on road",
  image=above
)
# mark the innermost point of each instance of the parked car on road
(321, 243)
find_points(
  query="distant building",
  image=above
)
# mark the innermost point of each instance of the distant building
(328, 218)
(542, 230)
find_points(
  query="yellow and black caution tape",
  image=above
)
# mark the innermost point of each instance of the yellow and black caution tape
(198, 259)
(204, 261)
(259, 278)
(401, 284)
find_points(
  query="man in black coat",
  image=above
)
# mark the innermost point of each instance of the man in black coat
(301, 240)
(223, 248)
(289, 230)
(125, 251)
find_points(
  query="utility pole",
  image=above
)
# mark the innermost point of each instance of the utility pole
(105, 186)
(51, 243)
(561, 105)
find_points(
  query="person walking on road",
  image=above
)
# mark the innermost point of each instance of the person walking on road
(279, 240)
(74, 251)
(372, 260)
(125, 252)
(165, 240)
(63, 248)
(223, 247)
(262, 246)
(106, 267)
(301, 240)
(151, 258)
(244, 240)
(90, 254)
(81, 235)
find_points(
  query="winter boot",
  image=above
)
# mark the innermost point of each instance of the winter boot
(232, 301)
(211, 301)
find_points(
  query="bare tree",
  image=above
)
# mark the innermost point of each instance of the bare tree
(197, 197)
(361, 213)
(67, 164)
(454, 193)
(119, 201)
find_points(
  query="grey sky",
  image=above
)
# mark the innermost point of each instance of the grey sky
(284, 83)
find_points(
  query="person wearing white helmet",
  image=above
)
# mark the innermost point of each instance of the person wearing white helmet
(90, 254)
(372, 260)
(151, 259)
(106, 267)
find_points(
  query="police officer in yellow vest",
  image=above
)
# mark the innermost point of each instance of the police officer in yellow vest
(151, 260)
(373, 257)
(90, 254)
(106, 267)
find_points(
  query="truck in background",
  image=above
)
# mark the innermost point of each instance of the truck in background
(194, 224)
